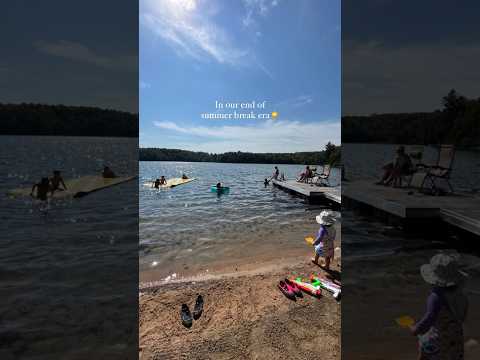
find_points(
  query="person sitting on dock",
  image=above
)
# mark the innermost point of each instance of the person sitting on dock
(305, 175)
(56, 181)
(163, 181)
(324, 242)
(394, 171)
(108, 173)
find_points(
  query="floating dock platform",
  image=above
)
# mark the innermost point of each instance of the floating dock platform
(312, 193)
(462, 210)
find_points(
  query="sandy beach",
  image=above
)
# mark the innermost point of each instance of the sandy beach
(245, 316)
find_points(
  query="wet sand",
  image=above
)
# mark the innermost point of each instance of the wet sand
(245, 316)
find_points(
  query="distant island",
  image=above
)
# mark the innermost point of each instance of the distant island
(42, 119)
(457, 123)
(331, 155)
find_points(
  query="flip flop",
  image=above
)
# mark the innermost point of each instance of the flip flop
(294, 288)
(286, 290)
(186, 316)
(198, 309)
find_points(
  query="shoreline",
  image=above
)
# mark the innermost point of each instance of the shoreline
(232, 267)
(245, 316)
(243, 270)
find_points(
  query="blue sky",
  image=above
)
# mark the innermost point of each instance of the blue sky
(194, 52)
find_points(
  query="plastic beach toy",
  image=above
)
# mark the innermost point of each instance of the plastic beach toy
(309, 240)
(405, 321)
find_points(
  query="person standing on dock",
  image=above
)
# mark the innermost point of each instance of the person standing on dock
(276, 172)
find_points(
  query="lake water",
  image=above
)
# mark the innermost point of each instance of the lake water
(68, 276)
(189, 227)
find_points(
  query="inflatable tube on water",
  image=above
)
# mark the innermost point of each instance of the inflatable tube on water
(222, 190)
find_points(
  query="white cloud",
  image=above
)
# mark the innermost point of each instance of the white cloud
(78, 52)
(297, 101)
(255, 8)
(269, 136)
(190, 31)
(189, 27)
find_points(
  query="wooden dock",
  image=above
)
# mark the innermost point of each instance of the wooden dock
(461, 210)
(311, 192)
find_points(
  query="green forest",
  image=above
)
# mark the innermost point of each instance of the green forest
(41, 119)
(458, 122)
(330, 155)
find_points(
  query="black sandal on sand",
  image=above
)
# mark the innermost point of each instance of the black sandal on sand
(186, 316)
(198, 309)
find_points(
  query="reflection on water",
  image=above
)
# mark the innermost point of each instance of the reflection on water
(68, 276)
(191, 224)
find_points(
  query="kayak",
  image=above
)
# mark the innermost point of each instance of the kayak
(170, 183)
(222, 190)
(78, 187)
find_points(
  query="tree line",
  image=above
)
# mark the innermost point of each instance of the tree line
(456, 123)
(42, 119)
(331, 155)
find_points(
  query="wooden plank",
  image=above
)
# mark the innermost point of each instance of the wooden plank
(310, 190)
(461, 209)
(468, 220)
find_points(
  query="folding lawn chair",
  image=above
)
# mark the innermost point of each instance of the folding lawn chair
(441, 171)
(322, 179)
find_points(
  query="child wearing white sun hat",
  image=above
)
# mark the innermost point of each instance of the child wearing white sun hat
(440, 331)
(324, 242)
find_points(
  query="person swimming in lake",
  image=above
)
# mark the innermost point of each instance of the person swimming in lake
(324, 242)
(43, 187)
(184, 177)
(108, 173)
(266, 182)
(56, 181)
(219, 186)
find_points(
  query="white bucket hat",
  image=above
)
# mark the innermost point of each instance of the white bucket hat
(326, 217)
(442, 271)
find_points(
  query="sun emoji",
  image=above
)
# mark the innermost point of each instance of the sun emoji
(274, 114)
